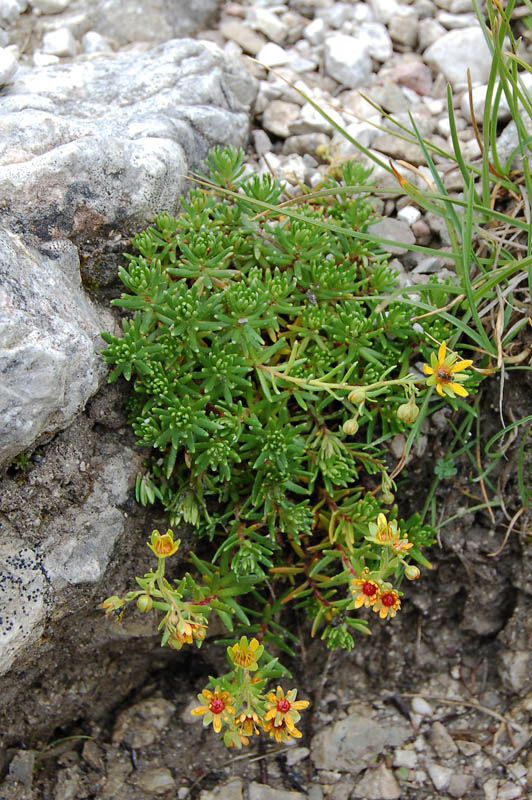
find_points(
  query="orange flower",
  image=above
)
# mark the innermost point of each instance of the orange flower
(365, 591)
(282, 732)
(442, 373)
(163, 545)
(284, 708)
(249, 722)
(402, 545)
(217, 708)
(186, 632)
(388, 604)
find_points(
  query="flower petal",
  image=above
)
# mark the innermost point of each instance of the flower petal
(441, 351)
(461, 365)
(459, 389)
(199, 710)
(439, 389)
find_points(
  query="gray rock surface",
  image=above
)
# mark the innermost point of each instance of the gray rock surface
(231, 790)
(42, 555)
(129, 21)
(352, 743)
(108, 141)
(22, 596)
(378, 784)
(49, 342)
(258, 791)
(141, 724)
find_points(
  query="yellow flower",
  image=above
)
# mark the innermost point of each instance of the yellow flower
(388, 604)
(246, 655)
(442, 373)
(282, 732)
(383, 532)
(163, 545)
(402, 545)
(186, 633)
(216, 709)
(365, 591)
(284, 708)
(249, 722)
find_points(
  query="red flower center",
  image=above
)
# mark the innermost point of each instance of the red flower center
(283, 705)
(369, 589)
(217, 705)
(444, 375)
(388, 599)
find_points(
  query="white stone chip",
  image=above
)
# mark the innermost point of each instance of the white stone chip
(272, 55)
(49, 6)
(8, 65)
(265, 21)
(409, 214)
(376, 39)
(456, 52)
(347, 60)
(440, 776)
(420, 706)
(93, 42)
(10, 9)
(44, 59)
(315, 31)
(60, 42)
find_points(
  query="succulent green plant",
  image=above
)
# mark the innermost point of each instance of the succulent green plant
(248, 334)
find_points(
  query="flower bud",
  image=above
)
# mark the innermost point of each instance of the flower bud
(144, 603)
(387, 498)
(357, 396)
(408, 412)
(350, 427)
(412, 572)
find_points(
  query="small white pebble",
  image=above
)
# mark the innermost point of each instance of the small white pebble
(420, 706)
(94, 42)
(59, 43)
(44, 59)
(456, 672)
(405, 758)
(409, 214)
(8, 65)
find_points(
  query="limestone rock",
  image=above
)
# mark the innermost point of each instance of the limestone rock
(157, 780)
(10, 9)
(458, 50)
(22, 596)
(347, 60)
(376, 39)
(231, 790)
(49, 6)
(8, 65)
(60, 42)
(351, 744)
(378, 784)
(259, 791)
(49, 363)
(108, 141)
(128, 21)
(141, 724)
